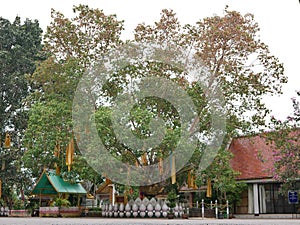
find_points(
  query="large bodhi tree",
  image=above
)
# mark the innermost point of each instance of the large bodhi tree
(239, 63)
(20, 49)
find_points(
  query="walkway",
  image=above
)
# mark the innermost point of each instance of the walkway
(105, 221)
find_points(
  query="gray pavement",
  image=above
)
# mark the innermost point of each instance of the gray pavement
(107, 221)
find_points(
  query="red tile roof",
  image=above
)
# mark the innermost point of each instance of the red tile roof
(253, 157)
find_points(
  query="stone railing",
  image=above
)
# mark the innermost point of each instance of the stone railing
(4, 211)
(141, 208)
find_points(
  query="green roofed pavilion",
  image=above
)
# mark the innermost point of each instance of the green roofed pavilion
(51, 184)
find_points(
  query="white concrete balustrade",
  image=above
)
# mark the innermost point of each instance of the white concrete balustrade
(141, 208)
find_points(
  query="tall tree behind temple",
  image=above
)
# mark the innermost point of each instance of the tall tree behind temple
(20, 47)
(73, 44)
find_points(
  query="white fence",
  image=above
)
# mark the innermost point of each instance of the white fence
(141, 208)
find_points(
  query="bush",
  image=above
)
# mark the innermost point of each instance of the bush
(95, 209)
(18, 204)
(171, 199)
(59, 202)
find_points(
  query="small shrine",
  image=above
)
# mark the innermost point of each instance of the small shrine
(51, 185)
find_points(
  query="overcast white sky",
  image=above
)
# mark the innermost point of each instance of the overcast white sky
(279, 21)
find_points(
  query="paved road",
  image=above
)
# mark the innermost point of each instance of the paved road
(102, 221)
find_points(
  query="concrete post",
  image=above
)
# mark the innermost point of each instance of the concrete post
(227, 209)
(202, 208)
(216, 205)
(256, 199)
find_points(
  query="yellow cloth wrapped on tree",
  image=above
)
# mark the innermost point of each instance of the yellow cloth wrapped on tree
(209, 189)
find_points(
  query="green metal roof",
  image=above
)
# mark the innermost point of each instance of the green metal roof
(51, 184)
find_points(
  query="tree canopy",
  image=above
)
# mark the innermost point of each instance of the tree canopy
(71, 45)
(20, 49)
(239, 63)
(234, 59)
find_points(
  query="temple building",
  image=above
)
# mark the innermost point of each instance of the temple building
(253, 158)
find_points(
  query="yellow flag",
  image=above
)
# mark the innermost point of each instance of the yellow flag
(161, 166)
(70, 154)
(7, 140)
(57, 170)
(173, 170)
(57, 150)
(209, 190)
(193, 182)
(57, 153)
(189, 181)
(144, 159)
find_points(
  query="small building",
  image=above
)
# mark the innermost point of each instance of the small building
(50, 186)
